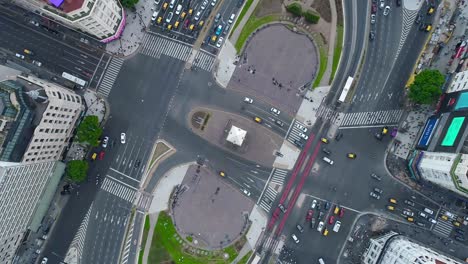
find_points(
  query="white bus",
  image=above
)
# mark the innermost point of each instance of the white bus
(346, 89)
(74, 79)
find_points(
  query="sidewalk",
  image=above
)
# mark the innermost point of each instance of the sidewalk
(235, 34)
(331, 45)
(135, 28)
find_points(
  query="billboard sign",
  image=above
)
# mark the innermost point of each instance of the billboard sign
(429, 128)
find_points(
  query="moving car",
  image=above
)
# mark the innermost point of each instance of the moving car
(220, 42)
(338, 136)
(378, 136)
(392, 200)
(310, 214)
(101, 155)
(29, 52)
(21, 56)
(44, 260)
(391, 207)
(374, 8)
(326, 151)
(300, 228)
(351, 155)
(294, 237)
(385, 130)
(410, 219)
(304, 136)
(282, 208)
(374, 195)
(258, 119)
(222, 174)
(37, 63)
(105, 140)
(386, 11)
(382, 4)
(94, 156)
(324, 140)
(377, 190)
(371, 35)
(331, 220)
(409, 202)
(372, 19)
(301, 127)
(123, 138)
(430, 10)
(231, 18)
(327, 160)
(217, 17)
(248, 100)
(275, 111)
(279, 123)
(246, 192)
(408, 213)
(418, 19)
(219, 29)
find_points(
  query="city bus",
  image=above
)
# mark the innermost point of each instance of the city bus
(74, 79)
(346, 89)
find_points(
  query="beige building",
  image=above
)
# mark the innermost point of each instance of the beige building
(104, 19)
(392, 248)
(57, 110)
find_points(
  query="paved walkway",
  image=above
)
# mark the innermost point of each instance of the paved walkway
(225, 67)
(135, 28)
(153, 220)
(235, 34)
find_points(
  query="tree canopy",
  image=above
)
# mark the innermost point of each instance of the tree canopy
(129, 3)
(89, 130)
(77, 170)
(426, 87)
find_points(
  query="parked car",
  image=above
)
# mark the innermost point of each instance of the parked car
(275, 111)
(331, 220)
(304, 136)
(372, 19)
(313, 222)
(320, 226)
(299, 143)
(300, 228)
(105, 140)
(409, 202)
(386, 11)
(374, 195)
(337, 226)
(342, 210)
(294, 237)
(314, 204)
(301, 127)
(408, 213)
(310, 214)
(123, 138)
(248, 100)
(326, 151)
(375, 176)
(377, 190)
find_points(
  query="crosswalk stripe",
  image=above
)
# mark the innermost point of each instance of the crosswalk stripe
(110, 75)
(118, 190)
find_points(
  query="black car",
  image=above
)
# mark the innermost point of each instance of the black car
(378, 136)
(460, 238)
(459, 231)
(312, 222)
(398, 2)
(420, 224)
(279, 123)
(372, 35)
(137, 163)
(418, 19)
(327, 206)
(326, 151)
(338, 136)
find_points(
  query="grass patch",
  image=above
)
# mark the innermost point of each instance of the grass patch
(168, 246)
(189, 239)
(323, 61)
(241, 15)
(146, 229)
(140, 257)
(245, 258)
(337, 52)
(252, 24)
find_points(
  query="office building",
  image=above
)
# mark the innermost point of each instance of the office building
(104, 19)
(392, 248)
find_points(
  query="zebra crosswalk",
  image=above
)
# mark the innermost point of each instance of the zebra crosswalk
(144, 201)
(443, 228)
(79, 239)
(110, 75)
(294, 133)
(204, 60)
(119, 190)
(128, 243)
(278, 176)
(268, 198)
(157, 45)
(388, 117)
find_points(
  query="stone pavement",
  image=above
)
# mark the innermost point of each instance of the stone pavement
(409, 129)
(135, 27)
(226, 64)
(310, 104)
(290, 154)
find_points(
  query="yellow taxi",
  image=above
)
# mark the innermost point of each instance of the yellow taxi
(385, 130)
(430, 10)
(165, 6)
(192, 27)
(258, 119)
(176, 24)
(183, 15)
(337, 210)
(393, 201)
(391, 207)
(444, 217)
(201, 23)
(169, 27)
(159, 20)
(428, 28)
(222, 174)
(213, 38)
(325, 232)
(410, 219)
(27, 51)
(190, 11)
(455, 223)
(324, 140)
(351, 155)
(94, 156)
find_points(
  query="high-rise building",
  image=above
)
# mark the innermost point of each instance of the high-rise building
(448, 170)
(104, 19)
(57, 110)
(393, 248)
(25, 194)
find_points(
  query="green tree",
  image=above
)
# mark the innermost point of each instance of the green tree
(295, 9)
(129, 3)
(77, 170)
(89, 130)
(426, 87)
(311, 17)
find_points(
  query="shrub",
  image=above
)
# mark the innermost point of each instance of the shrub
(311, 17)
(295, 9)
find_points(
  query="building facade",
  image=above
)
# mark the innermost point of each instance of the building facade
(104, 19)
(393, 248)
(448, 170)
(459, 82)
(59, 110)
(22, 187)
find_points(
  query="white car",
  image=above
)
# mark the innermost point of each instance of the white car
(294, 237)
(179, 8)
(320, 226)
(382, 4)
(248, 100)
(275, 111)
(154, 16)
(37, 63)
(105, 140)
(169, 17)
(337, 226)
(204, 4)
(157, 1)
(220, 42)
(432, 220)
(386, 11)
(314, 204)
(301, 127)
(246, 192)
(123, 138)
(304, 136)
(21, 56)
(213, 3)
(197, 16)
(231, 18)
(372, 19)
(44, 260)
